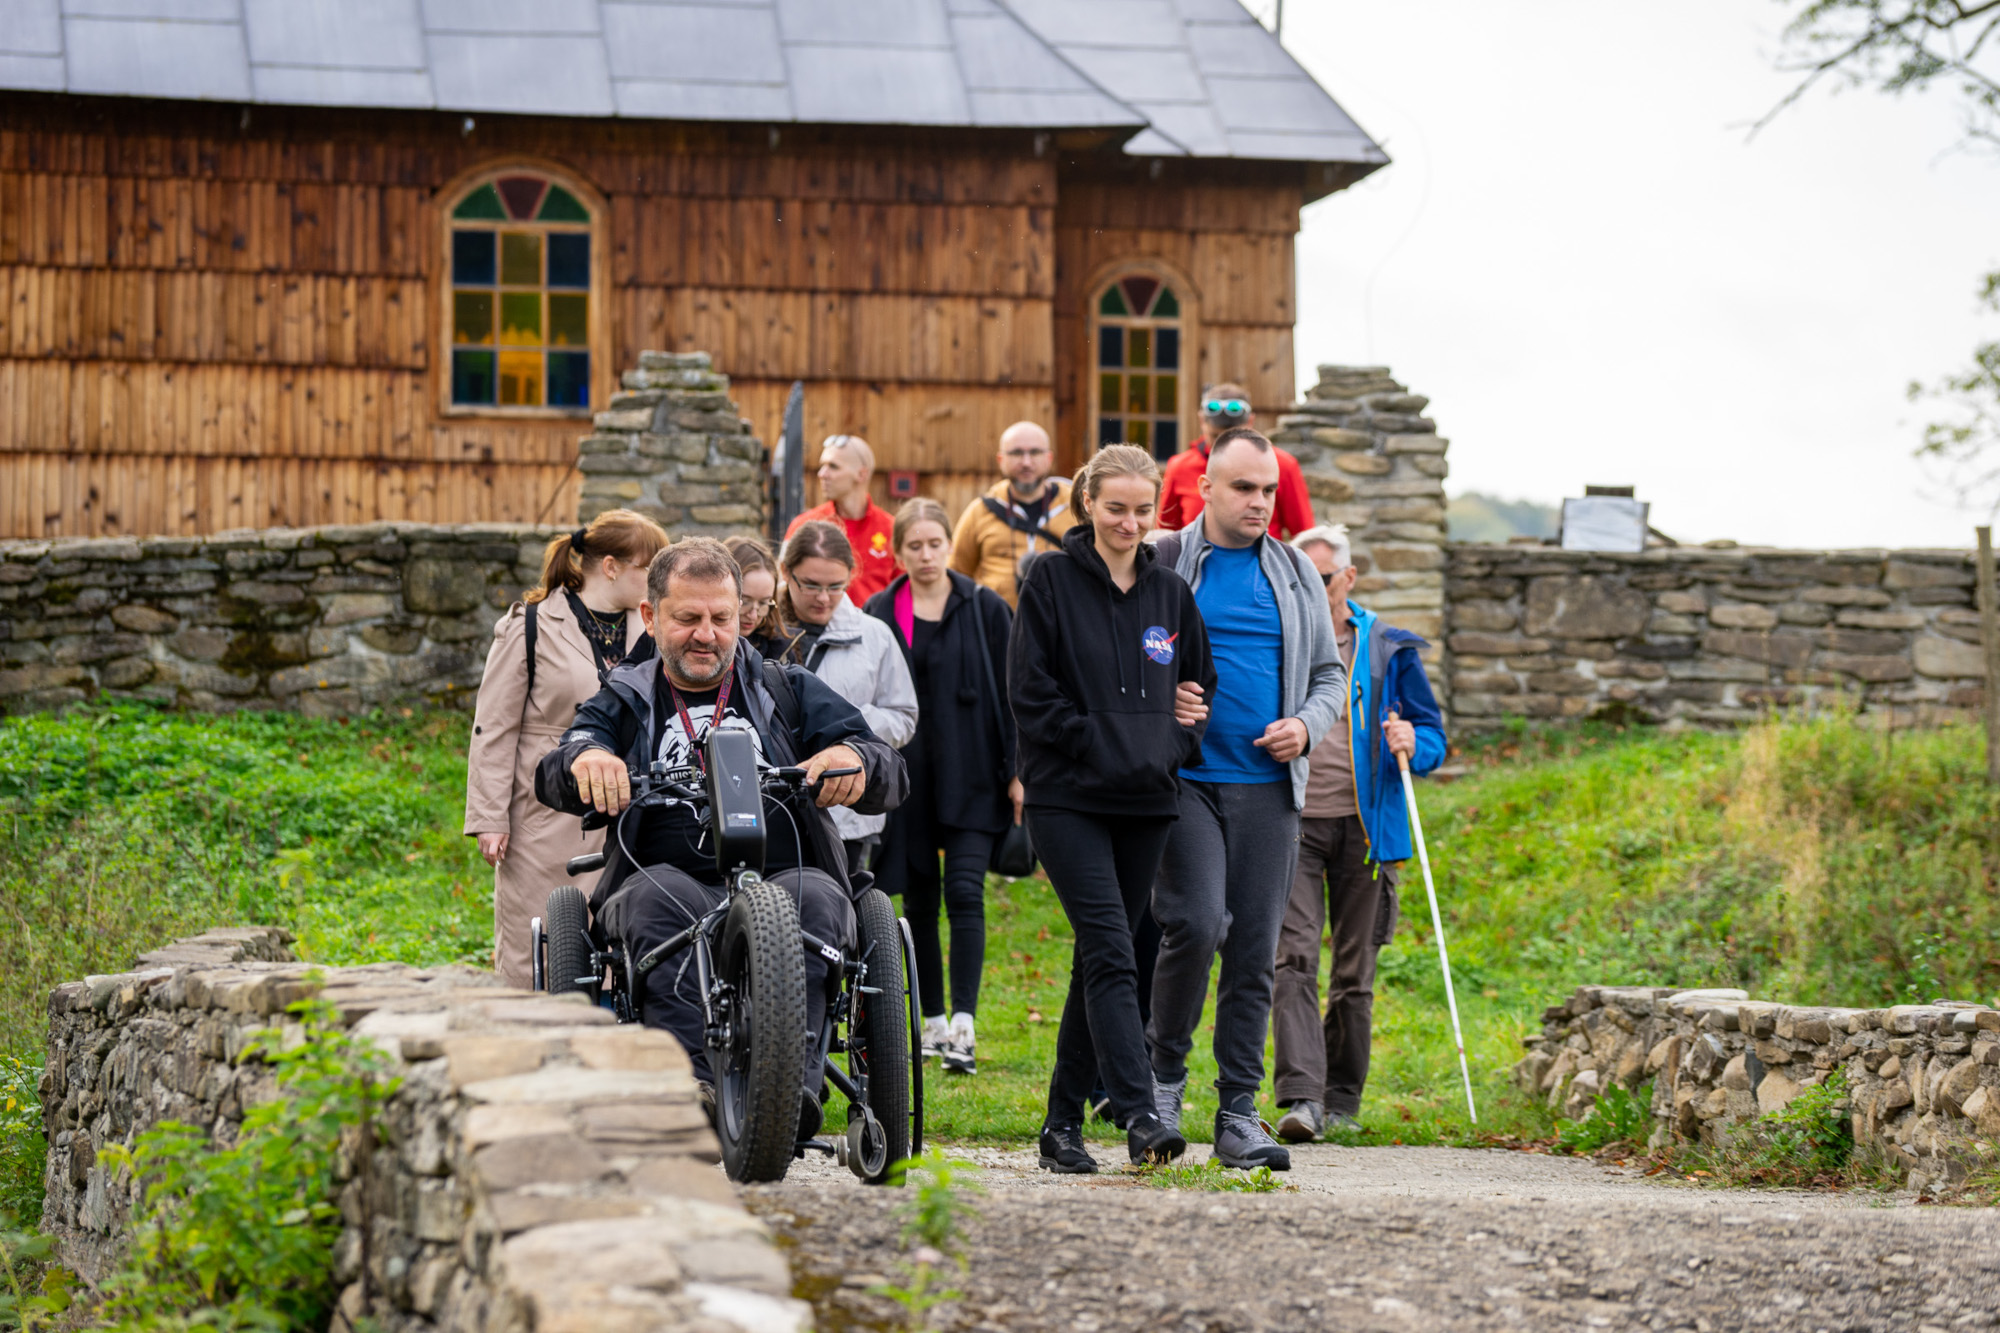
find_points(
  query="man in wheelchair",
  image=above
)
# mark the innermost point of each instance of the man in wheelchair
(660, 874)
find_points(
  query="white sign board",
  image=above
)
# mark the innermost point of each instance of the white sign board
(1604, 523)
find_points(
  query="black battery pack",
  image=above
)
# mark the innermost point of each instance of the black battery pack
(735, 802)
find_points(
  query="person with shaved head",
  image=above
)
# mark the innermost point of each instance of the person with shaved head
(845, 465)
(1025, 512)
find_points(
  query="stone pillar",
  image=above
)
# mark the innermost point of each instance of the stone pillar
(1373, 461)
(673, 447)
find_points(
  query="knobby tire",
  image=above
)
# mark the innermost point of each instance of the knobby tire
(758, 1075)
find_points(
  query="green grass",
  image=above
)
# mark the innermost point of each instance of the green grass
(1799, 860)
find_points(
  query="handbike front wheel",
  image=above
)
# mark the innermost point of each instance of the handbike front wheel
(757, 1050)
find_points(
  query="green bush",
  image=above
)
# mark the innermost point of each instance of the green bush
(242, 1237)
(1616, 1116)
(23, 1150)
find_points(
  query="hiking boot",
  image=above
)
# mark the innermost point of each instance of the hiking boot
(1147, 1140)
(1302, 1122)
(957, 1050)
(1063, 1151)
(937, 1036)
(1245, 1142)
(1167, 1102)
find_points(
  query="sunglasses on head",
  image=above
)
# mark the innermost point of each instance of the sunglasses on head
(1226, 407)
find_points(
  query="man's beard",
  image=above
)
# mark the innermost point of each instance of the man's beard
(678, 665)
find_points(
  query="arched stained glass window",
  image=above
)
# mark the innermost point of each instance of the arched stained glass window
(520, 295)
(1139, 365)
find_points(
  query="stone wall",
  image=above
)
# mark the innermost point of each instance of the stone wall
(1705, 635)
(1923, 1080)
(327, 620)
(539, 1168)
(673, 447)
(1375, 462)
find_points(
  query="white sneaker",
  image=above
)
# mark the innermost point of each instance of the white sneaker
(957, 1055)
(937, 1036)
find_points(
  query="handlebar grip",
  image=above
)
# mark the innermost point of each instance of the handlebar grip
(839, 773)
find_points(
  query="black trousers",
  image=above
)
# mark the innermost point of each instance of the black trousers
(1102, 868)
(660, 901)
(961, 890)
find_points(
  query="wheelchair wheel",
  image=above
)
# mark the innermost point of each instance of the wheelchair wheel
(566, 927)
(878, 1039)
(758, 1052)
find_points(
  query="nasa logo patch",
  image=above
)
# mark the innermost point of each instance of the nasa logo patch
(1159, 644)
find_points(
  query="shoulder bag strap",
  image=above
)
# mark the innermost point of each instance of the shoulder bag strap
(534, 633)
(1016, 522)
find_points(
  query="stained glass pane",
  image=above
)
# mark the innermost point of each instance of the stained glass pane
(1135, 433)
(1139, 348)
(562, 206)
(472, 377)
(472, 258)
(521, 258)
(1110, 431)
(521, 318)
(1109, 392)
(569, 259)
(569, 379)
(472, 317)
(1139, 291)
(1112, 303)
(569, 321)
(483, 205)
(1166, 439)
(1164, 400)
(520, 379)
(1110, 346)
(521, 194)
(1167, 349)
(1166, 307)
(1135, 394)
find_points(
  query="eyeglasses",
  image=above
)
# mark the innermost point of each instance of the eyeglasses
(756, 606)
(819, 589)
(1015, 455)
(1226, 407)
(1326, 580)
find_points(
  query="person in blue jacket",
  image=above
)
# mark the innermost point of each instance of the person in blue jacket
(1354, 834)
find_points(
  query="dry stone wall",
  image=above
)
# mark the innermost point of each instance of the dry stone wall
(1710, 636)
(540, 1167)
(1923, 1081)
(673, 447)
(1374, 461)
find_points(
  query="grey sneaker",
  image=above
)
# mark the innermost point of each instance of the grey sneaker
(1245, 1142)
(1167, 1099)
(1302, 1122)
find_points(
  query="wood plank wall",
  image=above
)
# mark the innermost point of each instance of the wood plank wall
(1229, 231)
(206, 324)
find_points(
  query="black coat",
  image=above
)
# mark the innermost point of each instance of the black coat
(619, 718)
(1092, 672)
(962, 721)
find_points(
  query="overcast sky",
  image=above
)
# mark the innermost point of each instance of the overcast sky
(1595, 276)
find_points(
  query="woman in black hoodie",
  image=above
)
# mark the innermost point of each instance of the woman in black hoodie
(1103, 638)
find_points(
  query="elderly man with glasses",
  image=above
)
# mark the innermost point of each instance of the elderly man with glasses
(1025, 512)
(1225, 407)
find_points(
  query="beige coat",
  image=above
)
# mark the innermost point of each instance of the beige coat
(510, 733)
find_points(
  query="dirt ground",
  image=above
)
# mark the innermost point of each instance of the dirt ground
(1399, 1239)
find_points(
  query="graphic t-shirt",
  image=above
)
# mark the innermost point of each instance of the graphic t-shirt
(1247, 642)
(671, 836)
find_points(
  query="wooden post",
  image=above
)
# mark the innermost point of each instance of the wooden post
(1989, 639)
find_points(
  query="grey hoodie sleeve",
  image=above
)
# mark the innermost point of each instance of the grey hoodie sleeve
(1326, 677)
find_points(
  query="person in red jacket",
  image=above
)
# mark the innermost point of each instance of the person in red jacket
(1225, 407)
(845, 464)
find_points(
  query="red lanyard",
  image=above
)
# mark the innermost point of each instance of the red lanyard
(687, 723)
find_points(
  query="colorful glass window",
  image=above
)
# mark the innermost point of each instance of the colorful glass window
(520, 296)
(1139, 365)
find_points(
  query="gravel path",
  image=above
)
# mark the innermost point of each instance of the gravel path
(1401, 1239)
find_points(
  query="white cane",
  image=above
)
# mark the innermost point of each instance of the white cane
(1437, 924)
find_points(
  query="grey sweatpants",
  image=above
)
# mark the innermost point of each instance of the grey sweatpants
(1223, 885)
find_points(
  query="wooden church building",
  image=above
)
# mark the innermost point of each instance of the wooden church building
(290, 262)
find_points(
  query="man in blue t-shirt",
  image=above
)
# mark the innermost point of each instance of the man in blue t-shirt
(1227, 873)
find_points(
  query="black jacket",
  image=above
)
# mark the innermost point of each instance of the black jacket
(967, 728)
(1091, 674)
(619, 718)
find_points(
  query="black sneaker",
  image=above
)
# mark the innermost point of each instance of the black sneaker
(1147, 1140)
(1063, 1151)
(1245, 1142)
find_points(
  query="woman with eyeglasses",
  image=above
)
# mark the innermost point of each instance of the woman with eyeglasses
(853, 652)
(759, 626)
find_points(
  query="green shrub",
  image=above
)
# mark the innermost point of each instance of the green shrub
(1617, 1116)
(1210, 1175)
(242, 1237)
(23, 1150)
